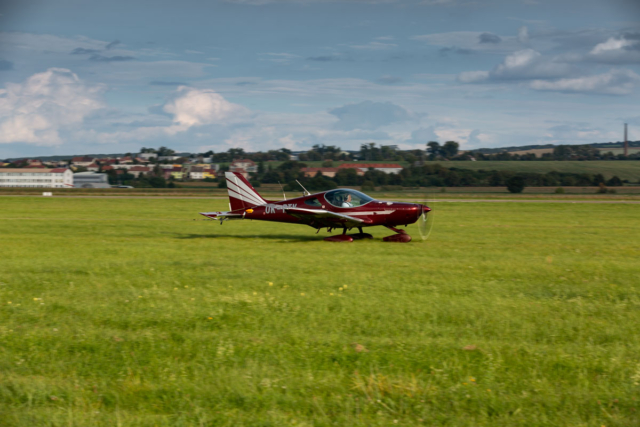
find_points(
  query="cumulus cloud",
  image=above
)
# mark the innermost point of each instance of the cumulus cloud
(36, 110)
(614, 82)
(369, 115)
(617, 50)
(196, 107)
(525, 64)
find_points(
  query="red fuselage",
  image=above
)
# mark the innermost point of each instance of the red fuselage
(371, 213)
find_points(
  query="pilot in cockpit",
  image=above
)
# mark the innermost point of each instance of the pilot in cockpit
(346, 203)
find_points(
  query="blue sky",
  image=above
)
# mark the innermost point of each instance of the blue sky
(98, 77)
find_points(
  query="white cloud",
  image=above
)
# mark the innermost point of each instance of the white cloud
(617, 50)
(614, 82)
(524, 64)
(36, 110)
(196, 107)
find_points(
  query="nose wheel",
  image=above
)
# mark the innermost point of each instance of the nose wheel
(401, 237)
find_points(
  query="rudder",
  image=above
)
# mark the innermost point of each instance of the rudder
(242, 195)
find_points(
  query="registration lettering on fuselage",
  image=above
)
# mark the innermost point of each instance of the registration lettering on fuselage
(269, 209)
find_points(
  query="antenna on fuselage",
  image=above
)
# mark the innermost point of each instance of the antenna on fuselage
(305, 193)
(282, 188)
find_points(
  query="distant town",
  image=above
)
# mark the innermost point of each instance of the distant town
(321, 167)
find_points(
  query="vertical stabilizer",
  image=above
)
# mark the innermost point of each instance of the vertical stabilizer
(242, 195)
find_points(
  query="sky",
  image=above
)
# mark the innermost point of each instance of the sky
(79, 77)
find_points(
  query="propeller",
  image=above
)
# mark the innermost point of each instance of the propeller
(425, 222)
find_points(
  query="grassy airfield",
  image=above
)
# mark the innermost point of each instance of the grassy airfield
(128, 312)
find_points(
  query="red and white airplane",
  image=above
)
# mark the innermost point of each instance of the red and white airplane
(334, 209)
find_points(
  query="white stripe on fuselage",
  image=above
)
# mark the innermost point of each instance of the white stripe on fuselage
(370, 213)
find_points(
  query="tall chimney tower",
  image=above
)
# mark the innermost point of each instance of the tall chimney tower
(626, 142)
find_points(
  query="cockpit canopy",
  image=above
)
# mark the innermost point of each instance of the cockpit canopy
(340, 198)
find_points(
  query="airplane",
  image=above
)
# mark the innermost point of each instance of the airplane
(341, 208)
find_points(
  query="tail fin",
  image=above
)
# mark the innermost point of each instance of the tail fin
(241, 194)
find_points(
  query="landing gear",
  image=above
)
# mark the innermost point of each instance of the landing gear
(361, 235)
(340, 238)
(401, 237)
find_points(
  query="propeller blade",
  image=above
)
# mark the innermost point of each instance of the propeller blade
(425, 222)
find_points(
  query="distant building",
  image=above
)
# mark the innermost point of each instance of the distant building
(382, 167)
(139, 170)
(240, 171)
(245, 164)
(93, 167)
(328, 172)
(209, 173)
(169, 158)
(175, 173)
(148, 156)
(36, 177)
(90, 180)
(196, 172)
(82, 161)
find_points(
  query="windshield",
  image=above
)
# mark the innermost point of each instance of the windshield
(346, 198)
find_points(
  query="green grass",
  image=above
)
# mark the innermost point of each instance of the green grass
(626, 169)
(128, 312)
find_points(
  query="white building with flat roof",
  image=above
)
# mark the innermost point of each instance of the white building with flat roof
(90, 180)
(35, 177)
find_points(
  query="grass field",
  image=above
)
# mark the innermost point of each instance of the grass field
(129, 313)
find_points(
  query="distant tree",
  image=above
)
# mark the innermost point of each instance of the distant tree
(236, 153)
(614, 182)
(598, 179)
(313, 155)
(433, 149)
(450, 148)
(164, 151)
(496, 179)
(157, 182)
(515, 184)
(260, 167)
